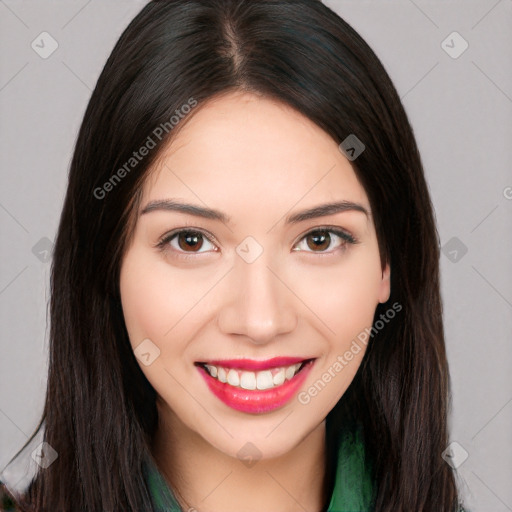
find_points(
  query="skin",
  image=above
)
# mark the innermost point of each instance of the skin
(258, 161)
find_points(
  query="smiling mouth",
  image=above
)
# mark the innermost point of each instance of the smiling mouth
(236, 374)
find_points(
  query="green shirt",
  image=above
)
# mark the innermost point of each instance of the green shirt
(353, 488)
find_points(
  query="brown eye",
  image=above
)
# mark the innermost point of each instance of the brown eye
(187, 241)
(320, 240)
(190, 240)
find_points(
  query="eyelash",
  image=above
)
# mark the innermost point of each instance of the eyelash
(346, 239)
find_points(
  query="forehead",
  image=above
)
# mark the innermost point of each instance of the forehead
(244, 151)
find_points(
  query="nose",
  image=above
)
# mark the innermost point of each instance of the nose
(258, 305)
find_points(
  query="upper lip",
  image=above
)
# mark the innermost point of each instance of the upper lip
(252, 364)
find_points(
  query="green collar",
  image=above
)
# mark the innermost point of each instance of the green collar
(353, 488)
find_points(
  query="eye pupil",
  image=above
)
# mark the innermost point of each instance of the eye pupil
(322, 240)
(191, 240)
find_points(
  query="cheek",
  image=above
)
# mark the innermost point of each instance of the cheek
(141, 302)
(354, 306)
(154, 301)
(344, 296)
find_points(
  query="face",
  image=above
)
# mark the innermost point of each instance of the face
(242, 308)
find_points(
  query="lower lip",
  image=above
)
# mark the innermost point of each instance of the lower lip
(256, 401)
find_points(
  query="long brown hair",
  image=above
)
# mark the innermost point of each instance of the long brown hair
(100, 413)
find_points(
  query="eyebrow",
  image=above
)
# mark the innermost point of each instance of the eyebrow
(212, 214)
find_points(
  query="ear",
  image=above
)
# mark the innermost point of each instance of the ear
(385, 285)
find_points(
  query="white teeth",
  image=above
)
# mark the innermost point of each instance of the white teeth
(212, 370)
(248, 380)
(279, 377)
(290, 372)
(264, 380)
(221, 374)
(233, 378)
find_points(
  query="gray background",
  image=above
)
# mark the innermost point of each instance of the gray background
(460, 109)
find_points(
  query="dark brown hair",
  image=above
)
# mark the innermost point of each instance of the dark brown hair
(100, 412)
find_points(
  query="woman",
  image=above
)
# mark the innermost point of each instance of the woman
(245, 309)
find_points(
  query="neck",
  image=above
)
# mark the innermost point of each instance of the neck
(205, 479)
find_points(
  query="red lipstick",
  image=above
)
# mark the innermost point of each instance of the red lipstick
(256, 401)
